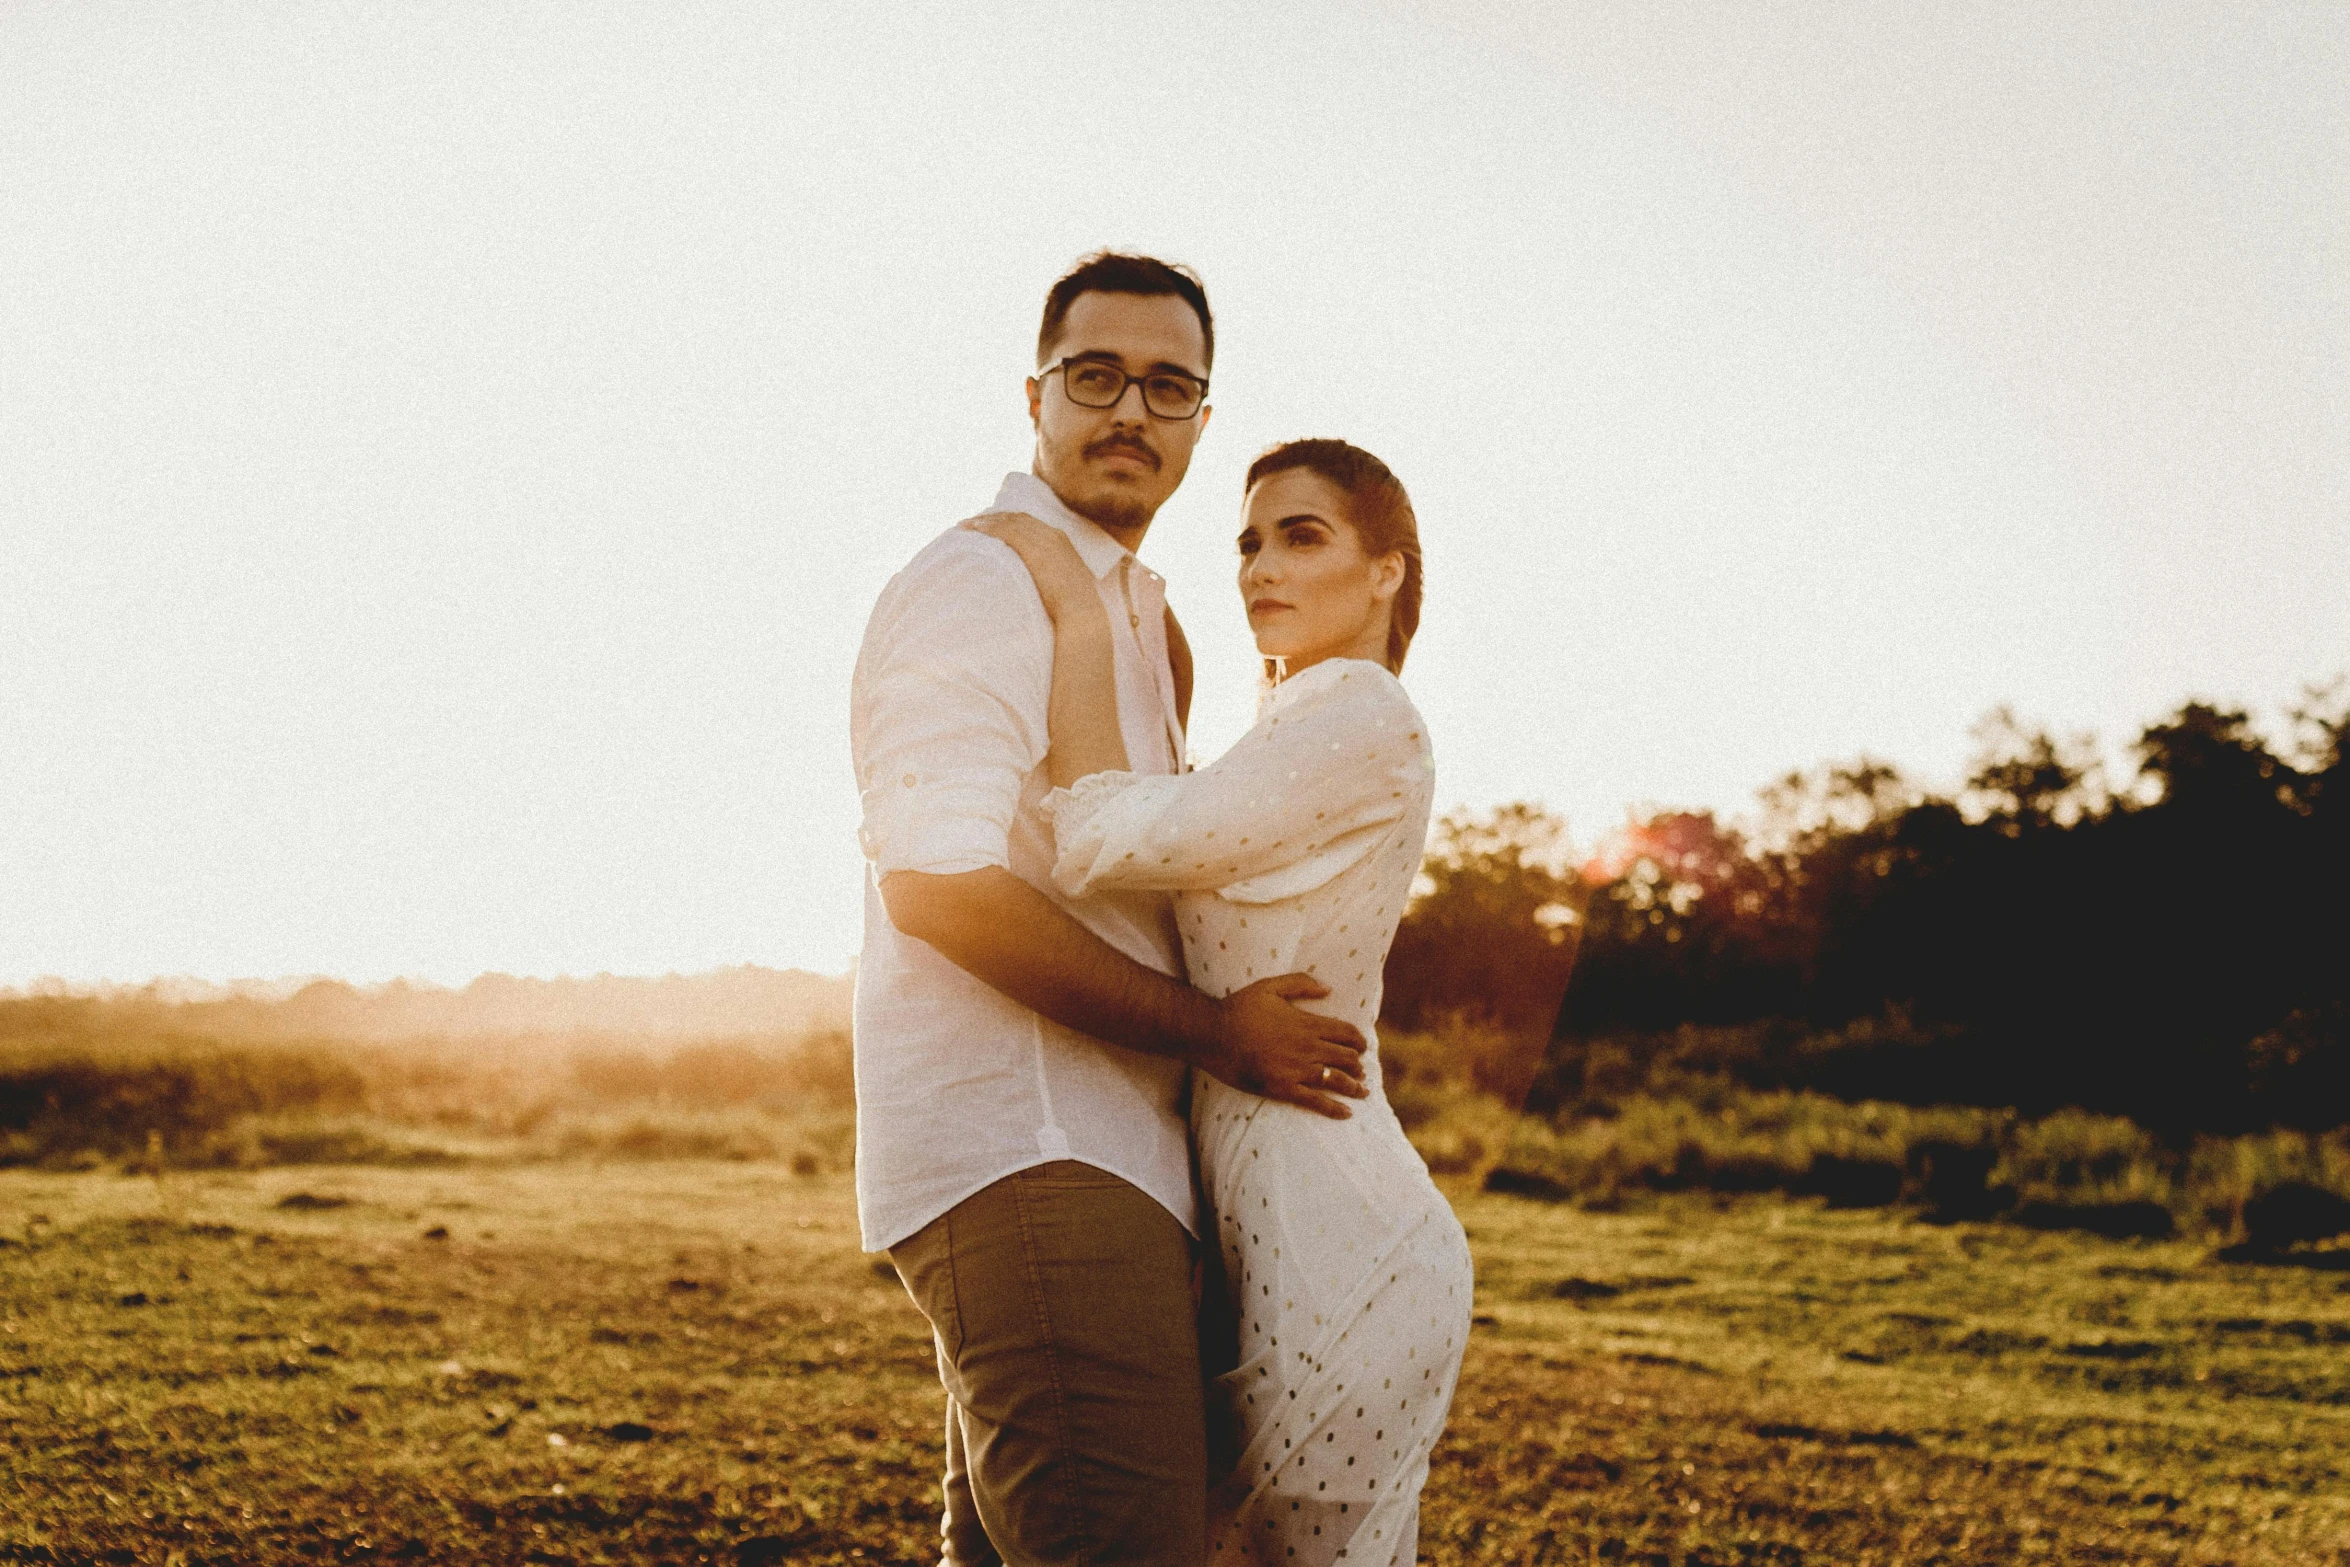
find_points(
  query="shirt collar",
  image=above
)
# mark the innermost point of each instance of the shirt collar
(1026, 492)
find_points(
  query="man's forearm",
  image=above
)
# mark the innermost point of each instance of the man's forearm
(1007, 935)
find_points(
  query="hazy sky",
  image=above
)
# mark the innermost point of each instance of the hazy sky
(447, 452)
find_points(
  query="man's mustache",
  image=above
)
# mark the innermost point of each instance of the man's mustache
(1122, 443)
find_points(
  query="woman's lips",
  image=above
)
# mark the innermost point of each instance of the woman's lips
(1266, 606)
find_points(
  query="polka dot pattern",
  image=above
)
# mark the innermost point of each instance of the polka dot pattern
(1351, 1278)
(1352, 1289)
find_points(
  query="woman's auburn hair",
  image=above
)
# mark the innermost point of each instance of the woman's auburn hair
(1378, 510)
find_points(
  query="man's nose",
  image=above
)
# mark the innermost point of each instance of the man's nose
(1118, 408)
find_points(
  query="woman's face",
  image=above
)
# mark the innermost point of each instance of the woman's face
(1310, 589)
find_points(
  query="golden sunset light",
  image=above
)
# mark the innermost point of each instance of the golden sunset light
(1349, 782)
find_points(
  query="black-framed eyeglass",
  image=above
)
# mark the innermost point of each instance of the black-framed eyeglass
(1096, 383)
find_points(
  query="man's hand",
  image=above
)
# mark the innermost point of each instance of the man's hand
(1273, 1049)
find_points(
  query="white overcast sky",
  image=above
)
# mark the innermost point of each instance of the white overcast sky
(447, 452)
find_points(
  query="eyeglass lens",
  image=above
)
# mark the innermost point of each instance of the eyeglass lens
(1092, 384)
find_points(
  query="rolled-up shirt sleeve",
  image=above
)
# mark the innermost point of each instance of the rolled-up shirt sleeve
(952, 694)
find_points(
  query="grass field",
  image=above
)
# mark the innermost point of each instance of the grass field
(682, 1362)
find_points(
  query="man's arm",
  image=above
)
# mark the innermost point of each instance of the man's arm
(1007, 935)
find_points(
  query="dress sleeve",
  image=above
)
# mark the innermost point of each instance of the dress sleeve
(1310, 790)
(949, 709)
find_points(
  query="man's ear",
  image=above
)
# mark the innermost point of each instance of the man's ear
(1204, 412)
(1035, 400)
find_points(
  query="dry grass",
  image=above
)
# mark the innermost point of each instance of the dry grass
(200, 1368)
(1765, 1381)
(90, 1082)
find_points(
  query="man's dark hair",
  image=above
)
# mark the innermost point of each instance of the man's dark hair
(1114, 272)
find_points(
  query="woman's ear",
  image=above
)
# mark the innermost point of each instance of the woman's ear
(1387, 574)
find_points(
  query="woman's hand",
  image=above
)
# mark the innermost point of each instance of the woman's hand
(1069, 590)
(1082, 727)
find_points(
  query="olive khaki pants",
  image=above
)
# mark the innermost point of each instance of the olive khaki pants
(1060, 1299)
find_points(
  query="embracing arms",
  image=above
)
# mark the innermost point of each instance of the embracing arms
(1002, 931)
(1314, 786)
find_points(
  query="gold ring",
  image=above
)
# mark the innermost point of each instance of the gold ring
(1327, 1075)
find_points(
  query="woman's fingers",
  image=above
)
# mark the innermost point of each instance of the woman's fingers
(1060, 574)
(1024, 533)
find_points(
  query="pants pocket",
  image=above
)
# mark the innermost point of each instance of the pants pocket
(925, 1260)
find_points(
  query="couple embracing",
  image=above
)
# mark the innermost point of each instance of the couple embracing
(1119, 1124)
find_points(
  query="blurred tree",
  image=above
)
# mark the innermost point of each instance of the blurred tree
(2178, 951)
(2321, 733)
(2208, 760)
(1492, 931)
(2025, 780)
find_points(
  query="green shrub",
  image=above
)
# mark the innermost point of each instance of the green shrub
(2069, 1170)
(61, 1104)
(2077, 1158)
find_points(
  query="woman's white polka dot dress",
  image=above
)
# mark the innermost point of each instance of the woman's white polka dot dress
(1351, 1279)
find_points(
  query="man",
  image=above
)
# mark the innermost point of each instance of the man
(1021, 1056)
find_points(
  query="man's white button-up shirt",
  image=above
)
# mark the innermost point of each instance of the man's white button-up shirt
(957, 1084)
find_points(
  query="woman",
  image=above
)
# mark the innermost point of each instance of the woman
(1347, 1273)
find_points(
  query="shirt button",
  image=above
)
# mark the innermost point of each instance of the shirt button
(908, 780)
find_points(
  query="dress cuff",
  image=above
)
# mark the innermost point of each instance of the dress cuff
(1073, 813)
(1068, 808)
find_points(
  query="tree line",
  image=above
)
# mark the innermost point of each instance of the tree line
(2172, 945)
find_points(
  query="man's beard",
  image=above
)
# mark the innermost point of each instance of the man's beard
(1107, 506)
(1110, 511)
